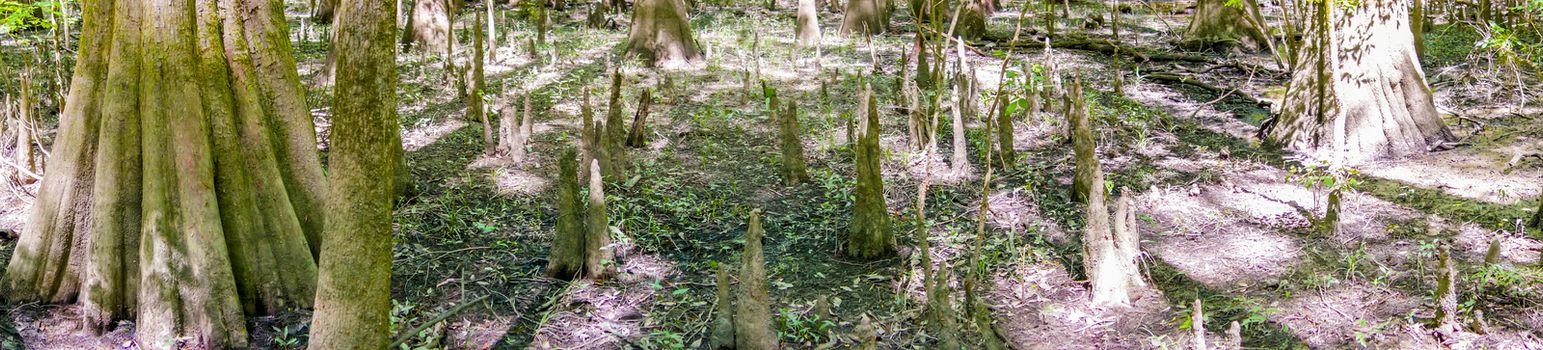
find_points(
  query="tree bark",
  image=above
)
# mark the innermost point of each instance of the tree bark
(1358, 94)
(1088, 177)
(1537, 215)
(324, 11)
(187, 193)
(793, 169)
(1004, 128)
(661, 34)
(636, 137)
(353, 298)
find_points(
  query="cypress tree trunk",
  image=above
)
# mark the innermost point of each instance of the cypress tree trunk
(752, 307)
(808, 24)
(475, 109)
(1537, 215)
(869, 236)
(23, 155)
(185, 194)
(430, 24)
(972, 19)
(864, 17)
(353, 298)
(1217, 24)
(324, 11)
(661, 34)
(1361, 95)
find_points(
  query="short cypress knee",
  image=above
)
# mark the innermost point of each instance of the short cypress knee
(723, 314)
(793, 168)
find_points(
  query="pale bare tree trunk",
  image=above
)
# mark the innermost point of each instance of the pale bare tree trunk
(661, 33)
(808, 24)
(1217, 24)
(1361, 95)
(864, 17)
(430, 24)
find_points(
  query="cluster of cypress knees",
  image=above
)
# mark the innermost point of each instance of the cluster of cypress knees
(582, 245)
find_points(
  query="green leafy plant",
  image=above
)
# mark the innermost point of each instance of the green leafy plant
(807, 330)
(18, 16)
(288, 338)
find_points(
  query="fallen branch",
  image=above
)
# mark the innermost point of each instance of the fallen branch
(402, 337)
(1108, 48)
(1177, 79)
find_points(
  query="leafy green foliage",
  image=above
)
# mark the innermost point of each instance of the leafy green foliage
(805, 330)
(17, 16)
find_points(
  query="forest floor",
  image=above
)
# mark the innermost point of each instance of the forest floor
(1221, 216)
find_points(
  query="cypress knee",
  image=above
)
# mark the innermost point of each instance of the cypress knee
(752, 308)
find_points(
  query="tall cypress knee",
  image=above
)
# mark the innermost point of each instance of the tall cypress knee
(615, 138)
(752, 307)
(597, 228)
(723, 313)
(568, 251)
(1084, 144)
(868, 236)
